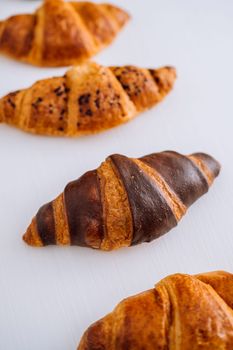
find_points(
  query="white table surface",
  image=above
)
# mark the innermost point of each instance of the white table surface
(49, 296)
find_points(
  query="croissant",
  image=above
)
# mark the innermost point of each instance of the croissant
(124, 202)
(181, 312)
(88, 99)
(60, 33)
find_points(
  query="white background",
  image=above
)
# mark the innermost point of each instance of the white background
(49, 296)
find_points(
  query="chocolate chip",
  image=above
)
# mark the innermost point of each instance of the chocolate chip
(97, 103)
(89, 112)
(126, 87)
(58, 91)
(84, 99)
(157, 80)
(36, 103)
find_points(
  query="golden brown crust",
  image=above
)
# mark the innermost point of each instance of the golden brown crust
(17, 34)
(61, 33)
(61, 224)
(145, 87)
(10, 108)
(221, 282)
(32, 236)
(90, 98)
(103, 22)
(44, 108)
(181, 311)
(164, 78)
(96, 100)
(117, 215)
(124, 202)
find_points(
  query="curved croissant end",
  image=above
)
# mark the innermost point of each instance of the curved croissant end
(90, 98)
(124, 202)
(61, 33)
(180, 311)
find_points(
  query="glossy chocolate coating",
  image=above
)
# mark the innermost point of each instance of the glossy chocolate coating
(151, 214)
(181, 174)
(210, 162)
(156, 192)
(46, 225)
(84, 209)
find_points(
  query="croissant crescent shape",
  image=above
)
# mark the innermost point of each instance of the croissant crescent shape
(124, 202)
(61, 33)
(88, 99)
(181, 312)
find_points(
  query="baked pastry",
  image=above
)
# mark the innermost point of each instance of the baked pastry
(181, 312)
(88, 99)
(126, 201)
(61, 33)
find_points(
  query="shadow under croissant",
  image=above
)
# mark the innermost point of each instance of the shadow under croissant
(126, 201)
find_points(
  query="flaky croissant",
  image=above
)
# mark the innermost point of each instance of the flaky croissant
(182, 312)
(88, 99)
(124, 202)
(61, 33)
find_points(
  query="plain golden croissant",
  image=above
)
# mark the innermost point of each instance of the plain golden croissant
(124, 202)
(61, 33)
(182, 312)
(88, 99)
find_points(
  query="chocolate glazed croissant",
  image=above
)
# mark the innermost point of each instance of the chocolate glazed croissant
(182, 312)
(124, 202)
(88, 99)
(60, 33)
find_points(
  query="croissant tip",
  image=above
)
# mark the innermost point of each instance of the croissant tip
(120, 15)
(164, 77)
(172, 71)
(30, 237)
(211, 163)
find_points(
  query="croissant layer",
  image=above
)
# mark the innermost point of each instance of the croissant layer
(88, 99)
(126, 201)
(61, 33)
(181, 312)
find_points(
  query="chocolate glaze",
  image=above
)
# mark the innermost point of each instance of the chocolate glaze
(151, 214)
(212, 164)
(46, 225)
(84, 210)
(181, 174)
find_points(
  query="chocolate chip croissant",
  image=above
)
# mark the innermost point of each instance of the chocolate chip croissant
(126, 201)
(88, 99)
(61, 33)
(181, 312)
